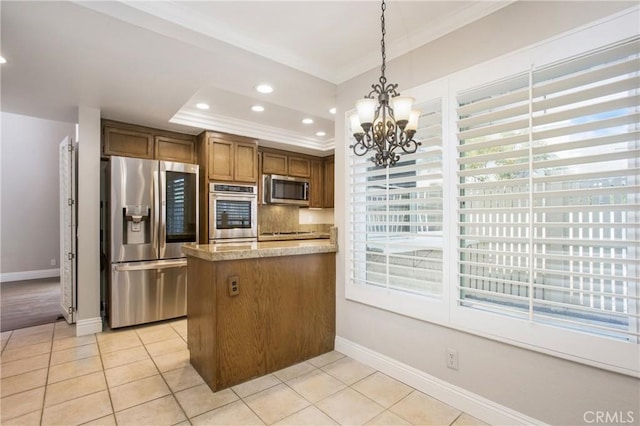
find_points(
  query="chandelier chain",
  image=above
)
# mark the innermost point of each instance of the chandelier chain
(384, 56)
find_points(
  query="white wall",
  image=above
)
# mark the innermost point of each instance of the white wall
(29, 226)
(549, 389)
(315, 216)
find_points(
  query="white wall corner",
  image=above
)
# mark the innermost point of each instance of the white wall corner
(88, 326)
(462, 399)
(29, 275)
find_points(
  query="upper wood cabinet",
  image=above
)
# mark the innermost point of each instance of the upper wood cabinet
(231, 158)
(316, 184)
(130, 140)
(328, 193)
(282, 163)
(275, 164)
(220, 159)
(246, 162)
(173, 149)
(299, 167)
(127, 142)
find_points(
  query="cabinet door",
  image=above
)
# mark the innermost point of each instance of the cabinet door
(127, 143)
(221, 159)
(316, 184)
(173, 149)
(299, 167)
(246, 162)
(274, 164)
(328, 182)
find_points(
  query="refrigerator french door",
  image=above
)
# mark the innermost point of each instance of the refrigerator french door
(154, 211)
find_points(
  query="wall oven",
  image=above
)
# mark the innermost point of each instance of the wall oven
(277, 189)
(233, 213)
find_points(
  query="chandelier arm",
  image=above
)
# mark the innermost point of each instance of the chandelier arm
(410, 146)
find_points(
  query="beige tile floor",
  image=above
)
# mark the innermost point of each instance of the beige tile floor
(142, 376)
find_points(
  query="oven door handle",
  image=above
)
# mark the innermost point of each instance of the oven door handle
(234, 197)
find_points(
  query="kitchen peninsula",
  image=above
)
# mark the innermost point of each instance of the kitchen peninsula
(256, 308)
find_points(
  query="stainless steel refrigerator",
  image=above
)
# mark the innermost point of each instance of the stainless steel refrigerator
(153, 212)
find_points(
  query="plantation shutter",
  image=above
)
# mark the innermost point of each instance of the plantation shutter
(548, 194)
(396, 215)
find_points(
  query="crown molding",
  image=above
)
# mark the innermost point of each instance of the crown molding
(207, 121)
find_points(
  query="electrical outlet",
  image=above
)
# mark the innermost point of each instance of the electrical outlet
(452, 359)
(234, 288)
(53, 262)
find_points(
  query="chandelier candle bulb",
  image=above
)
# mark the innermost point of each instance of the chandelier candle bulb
(412, 125)
(366, 112)
(356, 128)
(401, 106)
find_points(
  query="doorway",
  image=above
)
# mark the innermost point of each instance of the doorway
(28, 303)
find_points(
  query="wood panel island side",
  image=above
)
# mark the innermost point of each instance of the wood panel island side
(256, 308)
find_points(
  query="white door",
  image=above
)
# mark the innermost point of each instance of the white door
(67, 229)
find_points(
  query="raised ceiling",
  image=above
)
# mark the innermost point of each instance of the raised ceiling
(150, 62)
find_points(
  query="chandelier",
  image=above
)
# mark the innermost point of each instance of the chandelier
(385, 124)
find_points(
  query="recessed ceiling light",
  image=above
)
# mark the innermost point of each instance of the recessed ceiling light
(202, 105)
(257, 108)
(2, 60)
(307, 120)
(332, 110)
(264, 88)
(321, 133)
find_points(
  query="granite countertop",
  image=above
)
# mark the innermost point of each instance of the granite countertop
(212, 252)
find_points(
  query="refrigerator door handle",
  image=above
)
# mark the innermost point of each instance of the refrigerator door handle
(150, 266)
(162, 210)
(156, 210)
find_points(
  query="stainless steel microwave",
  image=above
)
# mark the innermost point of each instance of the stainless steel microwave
(277, 189)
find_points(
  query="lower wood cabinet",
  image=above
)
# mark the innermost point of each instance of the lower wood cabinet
(283, 314)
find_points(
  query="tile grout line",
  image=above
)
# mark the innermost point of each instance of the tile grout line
(46, 380)
(162, 375)
(316, 368)
(312, 404)
(165, 380)
(11, 335)
(106, 383)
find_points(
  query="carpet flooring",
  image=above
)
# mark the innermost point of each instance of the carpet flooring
(28, 303)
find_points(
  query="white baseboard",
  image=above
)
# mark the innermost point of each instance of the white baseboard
(88, 326)
(29, 275)
(469, 402)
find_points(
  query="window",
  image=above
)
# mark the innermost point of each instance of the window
(548, 194)
(519, 217)
(396, 216)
